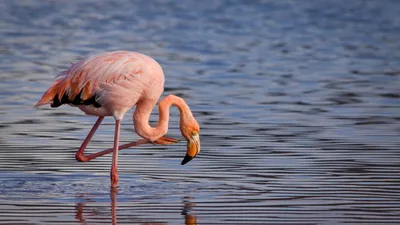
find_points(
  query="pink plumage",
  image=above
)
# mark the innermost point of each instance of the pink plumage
(111, 83)
(116, 80)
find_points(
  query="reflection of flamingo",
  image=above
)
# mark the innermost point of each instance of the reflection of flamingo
(82, 208)
(109, 84)
(190, 217)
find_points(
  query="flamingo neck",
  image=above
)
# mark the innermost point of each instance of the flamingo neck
(143, 111)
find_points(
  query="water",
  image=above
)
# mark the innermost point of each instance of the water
(298, 104)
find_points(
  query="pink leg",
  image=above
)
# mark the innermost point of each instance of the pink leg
(113, 196)
(79, 154)
(121, 147)
(85, 158)
(109, 150)
(114, 167)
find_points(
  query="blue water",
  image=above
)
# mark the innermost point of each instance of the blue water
(298, 103)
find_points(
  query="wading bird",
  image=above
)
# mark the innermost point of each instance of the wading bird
(110, 84)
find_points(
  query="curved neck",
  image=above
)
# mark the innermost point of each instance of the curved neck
(143, 111)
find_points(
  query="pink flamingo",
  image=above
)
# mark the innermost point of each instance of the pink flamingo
(111, 83)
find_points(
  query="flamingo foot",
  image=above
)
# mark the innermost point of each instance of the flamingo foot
(165, 141)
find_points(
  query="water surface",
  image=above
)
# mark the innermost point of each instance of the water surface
(298, 104)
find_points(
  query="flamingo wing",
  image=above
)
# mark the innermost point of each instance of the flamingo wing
(81, 83)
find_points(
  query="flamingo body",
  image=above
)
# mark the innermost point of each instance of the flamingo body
(111, 83)
(107, 84)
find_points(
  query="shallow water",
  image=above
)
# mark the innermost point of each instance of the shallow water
(299, 107)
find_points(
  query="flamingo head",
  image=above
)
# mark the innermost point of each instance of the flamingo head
(190, 130)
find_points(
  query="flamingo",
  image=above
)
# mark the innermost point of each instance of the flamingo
(111, 83)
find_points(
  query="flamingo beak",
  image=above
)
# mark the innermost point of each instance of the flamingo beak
(193, 148)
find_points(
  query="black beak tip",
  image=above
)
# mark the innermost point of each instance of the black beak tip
(186, 159)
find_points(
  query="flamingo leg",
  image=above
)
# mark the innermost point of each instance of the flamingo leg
(85, 158)
(114, 167)
(79, 154)
(109, 150)
(113, 196)
(162, 141)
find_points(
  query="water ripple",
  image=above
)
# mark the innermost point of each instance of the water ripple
(298, 105)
